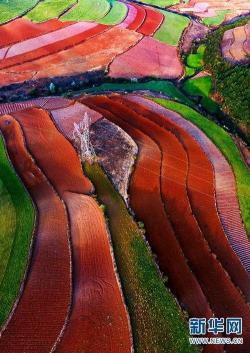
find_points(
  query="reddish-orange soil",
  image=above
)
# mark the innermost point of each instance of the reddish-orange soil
(43, 306)
(152, 22)
(22, 29)
(44, 140)
(140, 17)
(98, 322)
(159, 60)
(98, 318)
(45, 45)
(88, 56)
(146, 200)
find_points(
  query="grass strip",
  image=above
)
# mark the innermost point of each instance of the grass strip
(49, 9)
(16, 228)
(116, 15)
(10, 9)
(228, 148)
(87, 10)
(157, 322)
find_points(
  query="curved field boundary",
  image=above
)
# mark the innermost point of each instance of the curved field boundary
(152, 22)
(225, 187)
(88, 11)
(159, 60)
(140, 17)
(116, 15)
(98, 318)
(131, 18)
(221, 293)
(50, 43)
(10, 11)
(17, 222)
(47, 291)
(48, 9)
(21, 29)
(166, 33)
(146, 201)
(155, 315)
(70, 61)
(227, 147)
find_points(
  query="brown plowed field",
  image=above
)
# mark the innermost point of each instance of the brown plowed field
(152, 22)
(148, 58)
(88, 56)
(42, 309)
(146, 200)
(201, 192)
(44, 140)
(98, 322)
(235, 44)
(22, 29)
(50, 43)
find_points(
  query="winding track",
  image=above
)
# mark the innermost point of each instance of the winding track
(98, 320)
(43, 307)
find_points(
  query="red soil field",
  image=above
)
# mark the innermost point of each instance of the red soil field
(42, 310)
(226, 193)
(66, 117)
(202, 198)
(140, 17)
(159, 60)
(22, 29)
(98, 318)
(88, 56)
(151, 23)
(39, 130)
(50, 43)
(98, 322)
(223, 296)
(146, 200)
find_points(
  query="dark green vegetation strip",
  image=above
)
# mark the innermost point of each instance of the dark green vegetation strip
(49, 9)
(16, 227)
(157, 322)
(171, 21)
(10, 9)
(163, 87)
(225, 143)
(231, 81)
(87, 10)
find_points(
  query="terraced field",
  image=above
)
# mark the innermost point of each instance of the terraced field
(108, 95)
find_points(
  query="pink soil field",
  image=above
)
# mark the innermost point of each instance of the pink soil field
(98, 311)
(70, 61)
(214, 281)
(201, 194)
(159, 60)
(146, 201)
(210, 8)
(22, 29)
(50, 43)
(235, 44)
(225, 184)
(47, 291)
(152, 22)
(130, 18)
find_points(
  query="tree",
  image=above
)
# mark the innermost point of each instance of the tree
(81, 137)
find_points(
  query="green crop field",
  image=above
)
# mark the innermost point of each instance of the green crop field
(161, 3)
(88, 11)
(116, 15)
(10, 9)
(225, 143)
(16, 229)
(216, 20)
(49, 9)
(172, 28)
(158, 325)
